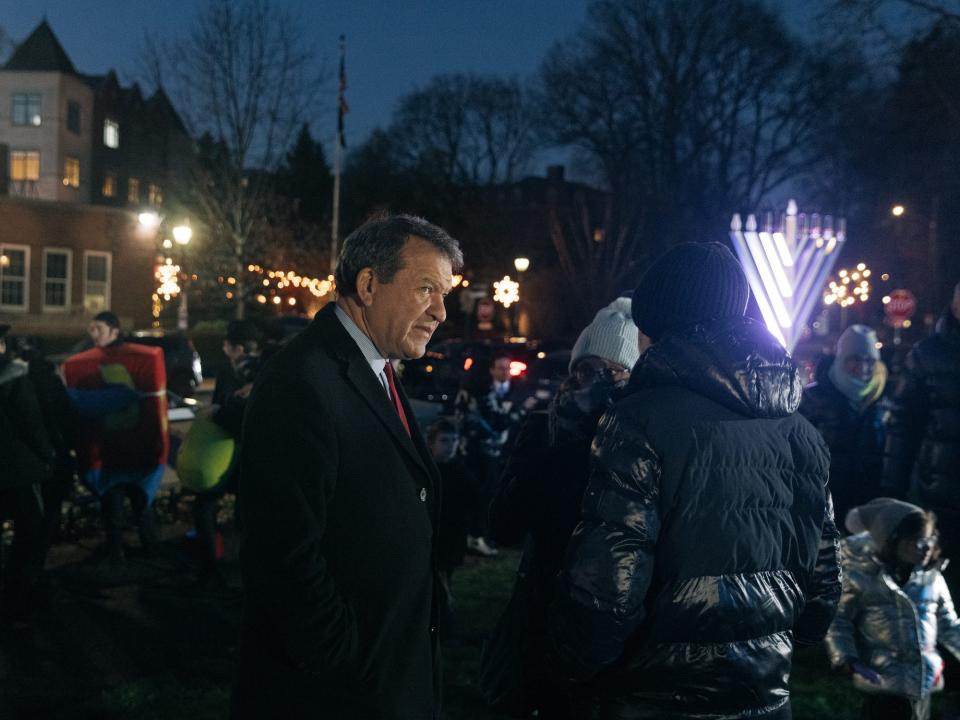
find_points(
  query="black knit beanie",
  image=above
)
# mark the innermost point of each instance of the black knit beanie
(690, 283)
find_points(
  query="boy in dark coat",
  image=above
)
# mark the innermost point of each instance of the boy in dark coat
(707, 545)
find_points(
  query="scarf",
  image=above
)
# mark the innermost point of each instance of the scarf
(861, 394)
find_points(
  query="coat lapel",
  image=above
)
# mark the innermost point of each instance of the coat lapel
(359, 374)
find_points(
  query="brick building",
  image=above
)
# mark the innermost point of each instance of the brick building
(80, 157)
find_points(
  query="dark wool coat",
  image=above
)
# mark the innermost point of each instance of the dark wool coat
(707, 544)
(338, 507)
(26, 453)
(855, 440)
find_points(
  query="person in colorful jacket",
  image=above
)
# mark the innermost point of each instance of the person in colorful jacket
(120, 391)
(894, 611)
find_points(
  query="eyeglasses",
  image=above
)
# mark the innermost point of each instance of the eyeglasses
(586, 373)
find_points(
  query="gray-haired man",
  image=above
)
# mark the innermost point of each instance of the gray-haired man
(339, 496)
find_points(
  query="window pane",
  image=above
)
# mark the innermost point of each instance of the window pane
(26, 109)
(95, 299)
(55, 293)
(57, 266)
(71, 172)
(73, 117)
(24, 165)
(109, 188)
(11, 292)
(96, 268)
(16, 263)
(133, 190)
(111, 133)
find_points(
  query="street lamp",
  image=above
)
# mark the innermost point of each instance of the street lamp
(522, 264)
(149, 220)
(182, 234)
(897, 210)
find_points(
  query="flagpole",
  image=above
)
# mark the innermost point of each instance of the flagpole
(337, 156)
(335, 223)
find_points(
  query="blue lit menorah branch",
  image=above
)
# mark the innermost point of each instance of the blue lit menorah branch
(787, 264)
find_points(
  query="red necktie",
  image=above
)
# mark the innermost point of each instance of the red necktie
(388, 370)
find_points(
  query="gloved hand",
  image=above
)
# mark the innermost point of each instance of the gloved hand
(865, 671)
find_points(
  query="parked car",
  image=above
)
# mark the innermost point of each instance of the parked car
(432, 381)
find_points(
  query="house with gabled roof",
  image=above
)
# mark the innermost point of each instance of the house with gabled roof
(80, 156)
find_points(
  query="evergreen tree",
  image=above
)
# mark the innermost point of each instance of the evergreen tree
(305, 178)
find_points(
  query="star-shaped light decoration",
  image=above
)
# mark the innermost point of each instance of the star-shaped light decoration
(507, 291)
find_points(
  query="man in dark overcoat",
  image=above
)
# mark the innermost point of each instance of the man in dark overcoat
(339, 497)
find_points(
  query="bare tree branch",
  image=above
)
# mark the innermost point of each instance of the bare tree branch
(246, 78)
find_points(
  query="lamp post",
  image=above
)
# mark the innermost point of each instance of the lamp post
(522, 264)
(182, 234)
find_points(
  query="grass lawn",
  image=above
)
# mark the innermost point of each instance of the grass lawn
(201, 692)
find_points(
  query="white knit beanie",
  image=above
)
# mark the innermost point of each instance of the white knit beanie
(612, 336)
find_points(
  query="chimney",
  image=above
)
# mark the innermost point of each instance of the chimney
(555, 173)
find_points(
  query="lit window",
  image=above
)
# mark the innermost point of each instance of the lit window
(133, 191)
(24, 165)
(56, 279)
(154, 196)
(96, 281)
(109, 187)
(26, 109)
(71, 172)
(14, 264)
(111, 133)
(73, 117)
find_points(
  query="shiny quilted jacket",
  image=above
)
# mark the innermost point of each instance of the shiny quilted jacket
(894, 630)
(707, 545)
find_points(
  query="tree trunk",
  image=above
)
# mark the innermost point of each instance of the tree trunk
(240, 290)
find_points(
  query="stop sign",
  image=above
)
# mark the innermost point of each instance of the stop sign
(901, 307)
(485, 308)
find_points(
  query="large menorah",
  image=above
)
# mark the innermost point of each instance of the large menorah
(787, 264)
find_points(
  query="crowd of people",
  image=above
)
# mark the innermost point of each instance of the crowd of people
(688, 511)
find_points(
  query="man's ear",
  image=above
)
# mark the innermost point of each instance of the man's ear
(366, 286)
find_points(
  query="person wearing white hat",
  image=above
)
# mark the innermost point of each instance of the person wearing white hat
(541, 490)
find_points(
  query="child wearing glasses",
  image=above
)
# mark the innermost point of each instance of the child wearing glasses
(894, 611)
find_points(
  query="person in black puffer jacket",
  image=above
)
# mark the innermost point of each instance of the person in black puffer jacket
(922, 453)
(843, 403)
(707, 545)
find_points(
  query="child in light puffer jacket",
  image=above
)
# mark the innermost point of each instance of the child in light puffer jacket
(894, 610)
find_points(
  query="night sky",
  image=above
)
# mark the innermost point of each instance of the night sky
(393, 46)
